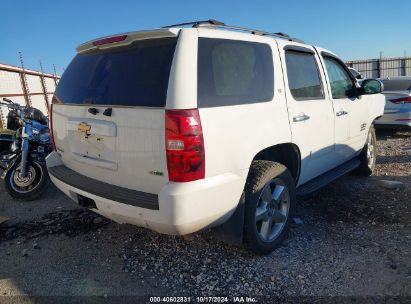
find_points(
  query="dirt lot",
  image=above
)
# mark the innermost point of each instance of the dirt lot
(354, 239)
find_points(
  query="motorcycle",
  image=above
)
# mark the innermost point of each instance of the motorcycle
(7, 135)
(6, 140)
(25, 173)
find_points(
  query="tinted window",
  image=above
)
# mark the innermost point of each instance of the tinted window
(234, 72)
(341, 84)
(303, 76)
(135, 75)
(396, 84)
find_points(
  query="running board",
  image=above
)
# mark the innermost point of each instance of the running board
(327, 177)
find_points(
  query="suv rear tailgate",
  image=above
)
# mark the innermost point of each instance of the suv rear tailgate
(108, 113)
(124, 149)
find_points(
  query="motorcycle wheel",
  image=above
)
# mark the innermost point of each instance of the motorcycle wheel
(30, 187)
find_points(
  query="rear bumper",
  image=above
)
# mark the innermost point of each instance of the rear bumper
(397, 126)
(395, 117)
(183, 208)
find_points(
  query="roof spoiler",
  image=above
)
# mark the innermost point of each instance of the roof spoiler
(126, 39)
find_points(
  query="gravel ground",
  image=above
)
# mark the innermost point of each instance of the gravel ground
(352, 238)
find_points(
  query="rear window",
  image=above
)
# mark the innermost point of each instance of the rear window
(396, 85)
(134, 75)
(232, 72)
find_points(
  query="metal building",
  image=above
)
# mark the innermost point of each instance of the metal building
(27, 87)
(384, 67)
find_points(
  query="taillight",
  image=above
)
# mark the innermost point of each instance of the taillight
(184, 146)
(51, 128)
(110, 40)
(402, 100)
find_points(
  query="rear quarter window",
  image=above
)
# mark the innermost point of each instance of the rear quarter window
(232, 72)
(134, 75)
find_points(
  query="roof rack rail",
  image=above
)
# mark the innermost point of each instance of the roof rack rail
(196, 23)
(211, 23)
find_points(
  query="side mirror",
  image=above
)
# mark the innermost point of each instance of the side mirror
(371, 86)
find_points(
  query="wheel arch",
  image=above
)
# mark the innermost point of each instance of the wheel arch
(375, 118)
(287, 154)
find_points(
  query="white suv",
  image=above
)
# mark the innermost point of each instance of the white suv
(183, 128)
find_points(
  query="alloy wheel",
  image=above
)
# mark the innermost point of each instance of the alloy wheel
(370, 151)
(272, 209)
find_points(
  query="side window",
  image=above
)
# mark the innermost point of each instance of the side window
(303, 76)
(340, 81)
(232, 72)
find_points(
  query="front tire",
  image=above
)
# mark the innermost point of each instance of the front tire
(270, 202)
(30, 187)
(368, 156)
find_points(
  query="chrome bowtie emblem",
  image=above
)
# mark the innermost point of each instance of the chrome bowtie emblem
(85, 128)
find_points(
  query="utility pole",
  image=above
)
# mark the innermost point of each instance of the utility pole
(55, 75)
(23, 79)
(2, 120)
(44, 86)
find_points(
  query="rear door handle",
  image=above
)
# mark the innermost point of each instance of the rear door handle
(301, 117)
(93, 111)
(108, 112)
(341, 113)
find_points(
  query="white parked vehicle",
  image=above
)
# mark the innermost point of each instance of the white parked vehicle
(397, 113)
(179, 129)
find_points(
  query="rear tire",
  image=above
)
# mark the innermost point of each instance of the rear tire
(270, 202)
(368, 156)
(33, 190)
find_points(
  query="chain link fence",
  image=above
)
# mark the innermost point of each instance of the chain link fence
(26, 87)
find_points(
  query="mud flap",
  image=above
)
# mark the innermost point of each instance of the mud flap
(233, 229)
